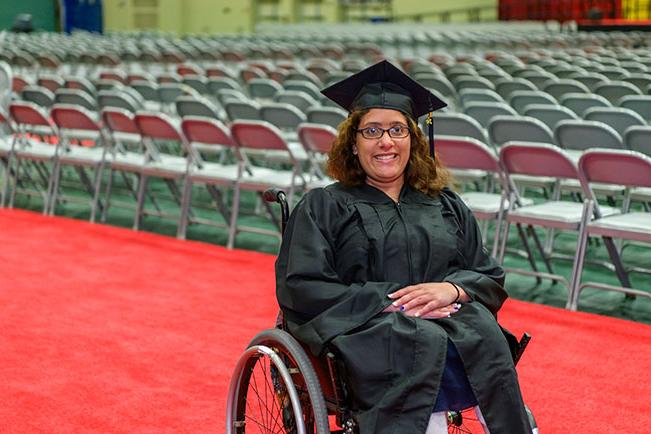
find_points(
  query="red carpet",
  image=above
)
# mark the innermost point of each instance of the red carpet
(107, 330)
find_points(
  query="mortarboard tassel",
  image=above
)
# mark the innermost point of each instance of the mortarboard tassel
(430, 132)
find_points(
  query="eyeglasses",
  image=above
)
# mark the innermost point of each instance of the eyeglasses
(395, 132)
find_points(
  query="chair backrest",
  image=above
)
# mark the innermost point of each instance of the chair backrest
(479, 95)
(197, 82)
(25, 113)
(581, 135)
(242, 110)
(483, 112)
(537, 159)
(304, 86)
(158, 126)
(75, 96)
(196, 106)
(38, 95)
(111, 98)
(317, 138)
(614, 91)
(561, 87)
(50, 82)
(259, 135)
(466, 153)
(538, 78)
(437, 82)
(308, 76)
(549, 114)
(207, 131)
(331, 116)
(80, 83)
(638, 139)
(147, 89)
(71, 117)
(472, 82)
(640, 104)
(283, 116)
(458, 124)
(580, 102)
(297, 98)
(506, 86)
(619, 118)
(118, 120)
(520, 99)
(589, 79)
(263, 88)
(503, 129)
(619, 167)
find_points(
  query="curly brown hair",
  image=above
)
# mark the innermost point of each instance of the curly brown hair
(420, 174)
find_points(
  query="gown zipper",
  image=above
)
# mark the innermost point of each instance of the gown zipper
(404, 225)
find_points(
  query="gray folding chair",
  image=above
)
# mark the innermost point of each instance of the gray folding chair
(38, 95)
(641, 80)
(263, 88)
(215, 84)
(122, 100)
(589, 79)
(520, 99)
(618, 167)
(620, 119)
(506, 86)
(580, 135)
(75, 97)
(307, 87)
(197, 106)
(331, 116)
(483, 112)
(472, 82)
(458, 124)
(580, 102)
(538, 78)
(562, 87)
(197, 82)
(638, 139)
(437, 82)
(640, 104)
(478, 95)
(203, 133)
(549, 114)
(506, 128)
(81, 145)
(614, 91)
(297, 98)
(242, 110)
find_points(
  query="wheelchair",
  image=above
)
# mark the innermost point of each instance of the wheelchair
(280, 387)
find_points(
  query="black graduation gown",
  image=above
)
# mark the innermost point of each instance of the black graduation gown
(344, 250)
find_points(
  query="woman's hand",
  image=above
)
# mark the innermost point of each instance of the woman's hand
(428, 300)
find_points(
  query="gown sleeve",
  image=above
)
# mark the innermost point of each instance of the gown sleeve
(480, 276)
(317, 304)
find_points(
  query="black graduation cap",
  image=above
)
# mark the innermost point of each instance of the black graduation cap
(383, 85)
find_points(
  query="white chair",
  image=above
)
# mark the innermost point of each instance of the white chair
(619, 167)
(317, 140)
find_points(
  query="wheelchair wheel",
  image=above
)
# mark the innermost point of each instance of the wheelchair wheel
(467, 422)
(275, 389)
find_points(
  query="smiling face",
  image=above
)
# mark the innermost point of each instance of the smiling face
(384, 160)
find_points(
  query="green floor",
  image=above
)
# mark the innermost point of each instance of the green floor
(519, 287)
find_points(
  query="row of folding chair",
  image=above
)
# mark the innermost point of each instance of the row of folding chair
(154, 145)
(624, 171)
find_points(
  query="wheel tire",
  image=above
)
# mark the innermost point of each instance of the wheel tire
(291, 365)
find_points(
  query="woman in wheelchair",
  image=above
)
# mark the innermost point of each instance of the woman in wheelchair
(387, 268)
